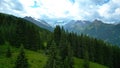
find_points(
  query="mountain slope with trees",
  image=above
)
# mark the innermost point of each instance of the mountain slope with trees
(35, 59)
(59, 47)
(107, 32)
(18, 31)
(98, 29)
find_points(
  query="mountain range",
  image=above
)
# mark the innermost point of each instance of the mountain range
(76, 26)
(40, 23)
(98, 29)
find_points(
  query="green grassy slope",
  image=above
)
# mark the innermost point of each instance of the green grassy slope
(35, 59)
(79, 64)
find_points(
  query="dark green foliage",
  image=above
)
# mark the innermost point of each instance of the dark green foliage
(66, 54)
(54, 59)
(69, 62)
(1, 38)
(19, 31)
(21, 61)
(86, 58)
(116, 57)
(66, 51)
(63, 51)
(8, 52)
(98, 50)
(57, 34)
(89, 49)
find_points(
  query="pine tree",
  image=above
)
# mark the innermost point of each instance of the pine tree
(57, 35)
(65, 50)
(68, 61)
(21, 61)
(86, 58)
(53, 60)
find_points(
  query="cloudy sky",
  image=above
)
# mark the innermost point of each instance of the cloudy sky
(105, 10)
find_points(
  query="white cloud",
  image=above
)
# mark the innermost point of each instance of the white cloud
(110, 12)
(106, 10)
(117, 11)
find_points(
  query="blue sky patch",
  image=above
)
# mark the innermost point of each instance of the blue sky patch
(35, 5)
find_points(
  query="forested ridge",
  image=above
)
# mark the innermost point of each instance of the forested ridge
(18, 31)
(60, 46)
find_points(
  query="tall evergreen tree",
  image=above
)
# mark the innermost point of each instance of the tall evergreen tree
(68, 61)
(57, 35)
(21, 61)
(53, 60)
(1, 37)
(86, 58)
(65, 50)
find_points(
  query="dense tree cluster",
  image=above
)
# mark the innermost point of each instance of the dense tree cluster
(87, 48)
(60, 51)
(21, 61)
(18, 31)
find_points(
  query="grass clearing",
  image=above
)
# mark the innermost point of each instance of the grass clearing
(35, 59)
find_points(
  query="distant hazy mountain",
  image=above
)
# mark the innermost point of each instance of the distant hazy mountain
(40, 23)
(76, 25)
(97, 29)
(107, 32)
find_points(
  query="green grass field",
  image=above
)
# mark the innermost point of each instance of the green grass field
(79, 64)
(35, 59)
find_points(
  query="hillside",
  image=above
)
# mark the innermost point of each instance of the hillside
(35, 59)
(19, 31)
(79, 64)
